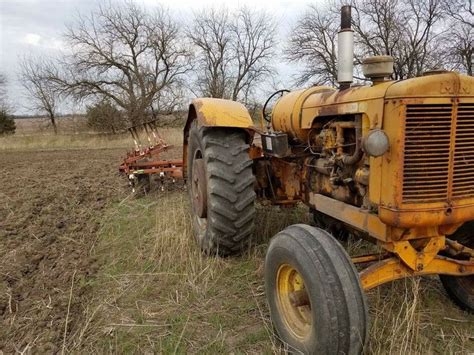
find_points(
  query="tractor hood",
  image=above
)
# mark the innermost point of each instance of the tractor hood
(434, 85)
(296, 112)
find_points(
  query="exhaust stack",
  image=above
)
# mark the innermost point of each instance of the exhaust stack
(345, 49)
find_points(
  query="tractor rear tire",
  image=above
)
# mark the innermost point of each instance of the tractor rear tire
(316, 301)
(461, 288)
(222, 190)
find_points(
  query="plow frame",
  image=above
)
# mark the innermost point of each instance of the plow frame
(144, 159)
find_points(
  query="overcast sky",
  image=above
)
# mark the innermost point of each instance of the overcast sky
(35, 27)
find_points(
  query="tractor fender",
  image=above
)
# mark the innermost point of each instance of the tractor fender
(218, 113)
(211, 112)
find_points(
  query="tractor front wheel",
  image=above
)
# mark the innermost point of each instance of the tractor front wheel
(316, 301)
(221, 188)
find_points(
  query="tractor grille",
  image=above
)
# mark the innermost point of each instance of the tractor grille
(428, 158)
(463, 180)
(427, 142)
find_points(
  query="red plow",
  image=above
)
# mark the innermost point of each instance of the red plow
(143, 163)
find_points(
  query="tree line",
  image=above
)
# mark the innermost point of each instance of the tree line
(127, 64)
(419, 34)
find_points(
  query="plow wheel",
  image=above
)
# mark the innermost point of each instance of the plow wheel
(316, 301)
(461, 288)
(221, 189)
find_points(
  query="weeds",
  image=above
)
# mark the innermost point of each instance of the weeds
(159, 293)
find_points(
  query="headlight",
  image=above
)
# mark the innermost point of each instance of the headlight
(376, 143)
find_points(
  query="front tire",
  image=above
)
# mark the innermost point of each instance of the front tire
(461, 288)
(221, 188)
(316, 301)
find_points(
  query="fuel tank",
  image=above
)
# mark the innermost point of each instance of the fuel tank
(295, 112)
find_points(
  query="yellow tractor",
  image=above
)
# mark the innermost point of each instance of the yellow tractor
(391, 162)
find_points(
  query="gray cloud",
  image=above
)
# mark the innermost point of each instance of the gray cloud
(32, 27)
(35, 27)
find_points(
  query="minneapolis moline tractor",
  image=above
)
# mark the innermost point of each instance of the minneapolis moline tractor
(391, 162)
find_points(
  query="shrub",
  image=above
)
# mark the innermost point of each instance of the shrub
(105, 117)
(7, 123)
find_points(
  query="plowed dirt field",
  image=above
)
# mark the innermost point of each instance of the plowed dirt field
(50, 202)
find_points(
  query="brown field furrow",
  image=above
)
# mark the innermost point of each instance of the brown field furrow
(50, 202)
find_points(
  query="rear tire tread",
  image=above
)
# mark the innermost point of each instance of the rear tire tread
(231, 210)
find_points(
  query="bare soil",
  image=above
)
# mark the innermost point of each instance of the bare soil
(50, 205)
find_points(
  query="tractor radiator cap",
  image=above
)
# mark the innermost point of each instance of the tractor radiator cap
(377, 68)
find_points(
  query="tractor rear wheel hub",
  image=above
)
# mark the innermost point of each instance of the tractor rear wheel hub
(199, 188)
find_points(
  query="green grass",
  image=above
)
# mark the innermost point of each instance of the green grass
(170, 296)
(157, 293)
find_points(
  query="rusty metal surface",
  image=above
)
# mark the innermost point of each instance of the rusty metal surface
(288, 175)
(384, 106)
(287, 111)
(255, 151)
(148, 162)
(199, 188)
(429, 165)
(428, 143)
(393, 269)
(221, 113)
(449, 84)
(351, 215)
(212, 112)
(144, 159)
(362, 259)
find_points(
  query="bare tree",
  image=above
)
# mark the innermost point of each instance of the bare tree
(378, 28)
(43, 93)
(461, 10)
(313, 43)
(3, 92)
(210, 33)
(234, 51)
(254, 47)
(126, 55)
(459, 36)
(404, 29)
(418, 47)
(460, 48)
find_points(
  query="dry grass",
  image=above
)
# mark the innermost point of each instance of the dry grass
(163, 295)
(78, 141)
(71, 124)
(159, 294)
(77, 124)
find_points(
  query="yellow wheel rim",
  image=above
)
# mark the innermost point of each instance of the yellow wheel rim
(293, 301)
